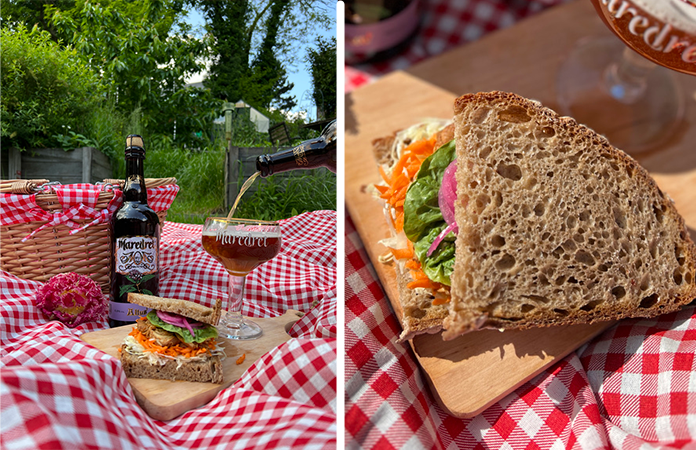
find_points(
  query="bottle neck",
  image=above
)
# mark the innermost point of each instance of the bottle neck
(311, 154)
(134, 190)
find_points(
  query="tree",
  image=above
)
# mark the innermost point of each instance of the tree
(143, 60)
(267, 73)
(46, 90)
(230, 47)
(267, 35)
(323, 62)
(32, 13)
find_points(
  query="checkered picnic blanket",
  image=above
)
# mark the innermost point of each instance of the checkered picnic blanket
(632, 387)
(444, 25)
(57, 392)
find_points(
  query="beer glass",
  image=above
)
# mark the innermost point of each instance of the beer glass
(616, 87)
(240, 245)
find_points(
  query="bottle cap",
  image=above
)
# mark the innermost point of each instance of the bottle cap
(133, 140)
(134, 145)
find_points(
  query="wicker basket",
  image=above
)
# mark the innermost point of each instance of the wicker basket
(53, 250)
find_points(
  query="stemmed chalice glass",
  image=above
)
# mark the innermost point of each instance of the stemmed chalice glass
(615, 87)
(240, 245)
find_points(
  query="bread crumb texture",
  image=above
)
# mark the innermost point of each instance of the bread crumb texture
(556, 226)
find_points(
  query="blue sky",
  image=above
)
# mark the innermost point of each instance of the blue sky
(298, 75)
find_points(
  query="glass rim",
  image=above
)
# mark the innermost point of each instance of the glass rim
(243, 221)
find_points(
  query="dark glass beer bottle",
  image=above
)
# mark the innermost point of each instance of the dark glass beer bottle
(135, 239)
(311, 154)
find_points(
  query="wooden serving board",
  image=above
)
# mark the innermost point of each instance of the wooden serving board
(165, 400)
(469, 374)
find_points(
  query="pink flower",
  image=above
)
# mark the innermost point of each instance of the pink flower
(71, 298)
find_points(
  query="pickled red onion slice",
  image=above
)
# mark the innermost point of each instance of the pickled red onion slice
(441, 236)
(179, 321)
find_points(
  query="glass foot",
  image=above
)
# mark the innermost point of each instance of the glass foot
(236, 330)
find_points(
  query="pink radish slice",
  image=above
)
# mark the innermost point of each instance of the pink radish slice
(448, 193)
(445, 199)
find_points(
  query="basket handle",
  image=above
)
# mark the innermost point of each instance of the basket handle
(21, 186)
(149, 182)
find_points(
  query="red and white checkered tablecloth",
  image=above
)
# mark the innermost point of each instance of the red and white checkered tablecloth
(633, 387)
(56, 392)
(444, 25)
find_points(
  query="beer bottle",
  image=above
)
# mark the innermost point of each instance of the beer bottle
(135, 231)
(311, 154)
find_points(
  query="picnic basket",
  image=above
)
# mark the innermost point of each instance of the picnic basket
(54, 250)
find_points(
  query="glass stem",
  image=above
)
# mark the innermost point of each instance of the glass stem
(234, 301)
(627, 79)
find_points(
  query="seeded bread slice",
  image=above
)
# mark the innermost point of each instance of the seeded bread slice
(556, 226)
(192, 310)
(209, 371)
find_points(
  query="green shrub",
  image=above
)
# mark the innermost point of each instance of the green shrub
(200, 175)
(282, 197)
(47, 91)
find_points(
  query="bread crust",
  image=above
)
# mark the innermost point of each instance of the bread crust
(208, 371)
(420, 316)
(501, 270)
(186, 308)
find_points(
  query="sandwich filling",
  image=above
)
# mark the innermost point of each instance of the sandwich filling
(156, 339)
(419, 197)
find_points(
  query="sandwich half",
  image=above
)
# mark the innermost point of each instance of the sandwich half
(176, 340)
(513, 217)
(556, 226)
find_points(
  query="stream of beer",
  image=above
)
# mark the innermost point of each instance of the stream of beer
(244, 188)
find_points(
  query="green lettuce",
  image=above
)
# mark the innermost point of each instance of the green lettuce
(423, 220)
(201, 334)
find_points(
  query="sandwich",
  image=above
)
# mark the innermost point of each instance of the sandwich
(537, 221)
(176, 340)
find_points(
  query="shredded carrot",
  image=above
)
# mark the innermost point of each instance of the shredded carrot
(173, 350)
(402, 253)
(412, 264)
(401, 176)
(441, 301)
(241, 358)
(394, 193)
(381, 189)
(423, 283)
(384, 175)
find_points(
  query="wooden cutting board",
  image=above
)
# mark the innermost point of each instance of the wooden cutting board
(489, 363)
(165, 400)
(469, 374)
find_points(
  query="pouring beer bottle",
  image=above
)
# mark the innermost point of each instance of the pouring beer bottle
(310, 154)
(135, 242)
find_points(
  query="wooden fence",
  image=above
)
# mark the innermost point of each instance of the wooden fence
(82, 165)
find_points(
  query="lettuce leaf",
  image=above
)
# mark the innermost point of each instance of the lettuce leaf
(423, 220)
(201, 334)
(440, 264)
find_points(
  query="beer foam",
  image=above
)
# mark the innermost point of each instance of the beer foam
(680, 14)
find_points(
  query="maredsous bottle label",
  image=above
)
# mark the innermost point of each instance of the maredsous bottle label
(136, 254)
(126, 312)
(136, 257)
